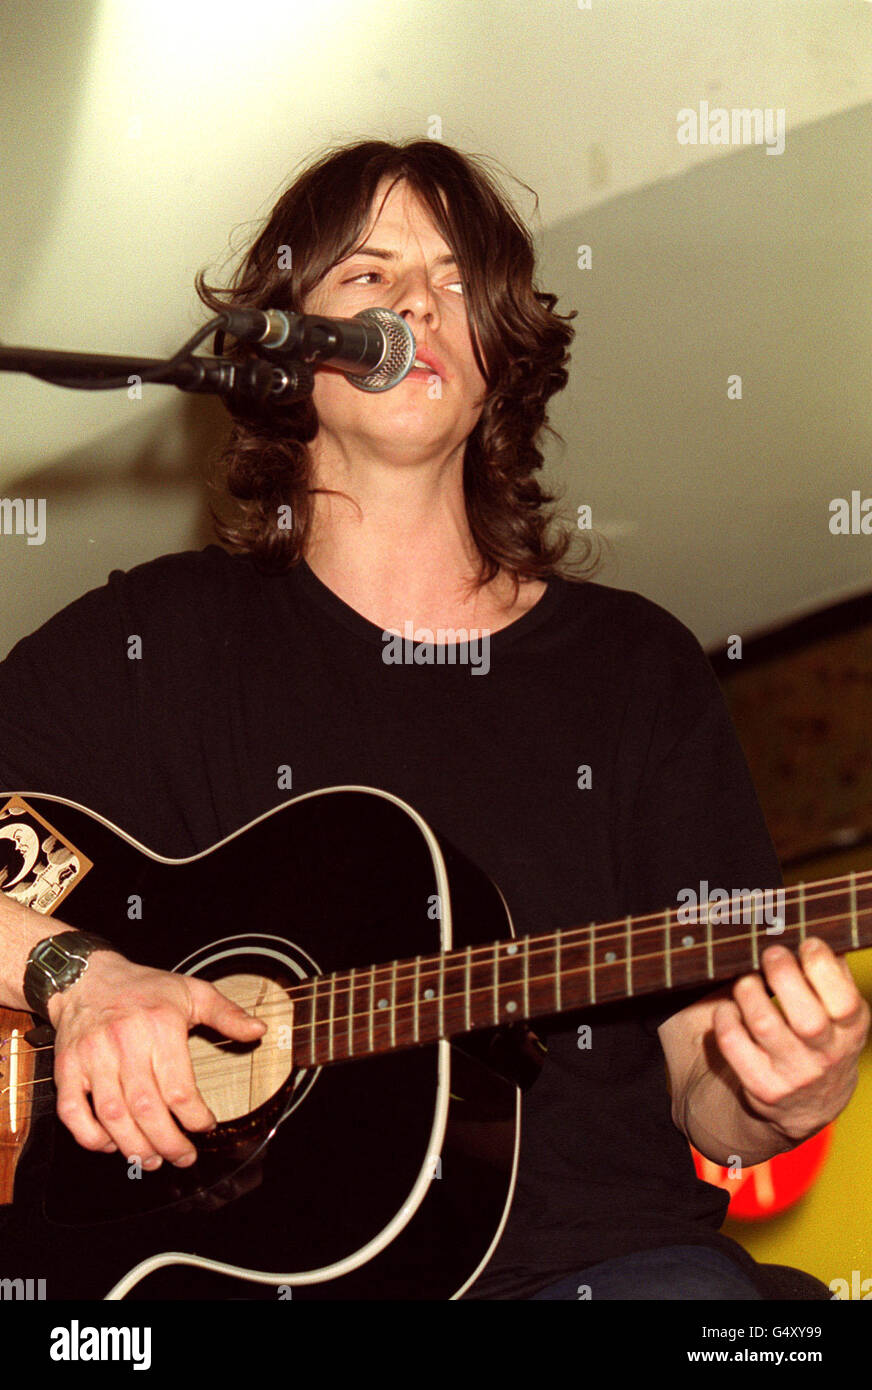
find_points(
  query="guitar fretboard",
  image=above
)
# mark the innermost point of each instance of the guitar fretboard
(405, 1003)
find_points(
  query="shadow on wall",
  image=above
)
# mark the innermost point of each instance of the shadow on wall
(147, 495)
(746, 266)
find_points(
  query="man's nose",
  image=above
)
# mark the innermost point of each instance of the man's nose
(415, 298)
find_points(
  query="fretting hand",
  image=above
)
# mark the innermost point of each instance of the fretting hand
(797, 1063)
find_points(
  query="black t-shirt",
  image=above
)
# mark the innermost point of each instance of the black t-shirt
(241, 675)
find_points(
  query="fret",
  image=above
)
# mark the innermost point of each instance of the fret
(432, 1020)
(668, 948)
(380, 1003)
(687, 942)
(394, 1003)
(511, 978)
(372, 1008)
(610, 977)
(776, 926)
(718, 939)
(332, 1014)
(442, 995)
(854, 942)
(592, 980)
(628, 949)
(313, 1021)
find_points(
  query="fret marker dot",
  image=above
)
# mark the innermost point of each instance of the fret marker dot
(610, 957)
(429, 994)
(511, 949)
(511, 1006)
(383, 1003)
(687, 941)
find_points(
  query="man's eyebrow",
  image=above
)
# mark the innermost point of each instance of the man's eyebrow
(394, 255)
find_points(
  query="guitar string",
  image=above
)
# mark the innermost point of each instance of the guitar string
(660, 922)
(385, 974)
(663, 918)
(218, 1063)
(303, 993)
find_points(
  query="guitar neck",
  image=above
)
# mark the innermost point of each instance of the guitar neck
(385, 1008)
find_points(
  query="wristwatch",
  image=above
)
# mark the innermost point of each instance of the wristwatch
(56, 963)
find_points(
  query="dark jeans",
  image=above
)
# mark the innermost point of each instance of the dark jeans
(673, 1271)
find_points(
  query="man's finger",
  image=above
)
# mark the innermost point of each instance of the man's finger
(216, 1011)
(764, 1022)
(111, 1105)
(832, 981)
(174, 1073)
(146, 1054)
(803, 1008)
(150, 1112)
(750, 1062)
(73, 1109)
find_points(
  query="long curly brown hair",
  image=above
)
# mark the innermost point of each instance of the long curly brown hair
(318, 221)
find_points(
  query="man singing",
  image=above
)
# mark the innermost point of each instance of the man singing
(591, 769)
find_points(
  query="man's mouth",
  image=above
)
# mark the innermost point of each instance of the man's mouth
(426, 362)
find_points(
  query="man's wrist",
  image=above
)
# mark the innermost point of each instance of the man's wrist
(721, 1123)
(55, 964)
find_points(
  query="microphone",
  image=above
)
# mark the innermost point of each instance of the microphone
(374, 351)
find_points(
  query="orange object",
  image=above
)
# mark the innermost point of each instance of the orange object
(768, 1188)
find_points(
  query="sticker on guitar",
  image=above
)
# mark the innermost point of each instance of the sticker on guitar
(38, 867)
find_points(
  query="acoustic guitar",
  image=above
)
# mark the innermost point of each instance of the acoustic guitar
(367, 1144)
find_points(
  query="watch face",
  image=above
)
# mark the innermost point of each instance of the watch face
(53, 958)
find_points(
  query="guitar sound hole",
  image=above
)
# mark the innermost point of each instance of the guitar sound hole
(235, 1078)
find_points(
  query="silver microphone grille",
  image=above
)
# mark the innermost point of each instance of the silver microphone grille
(397, 361)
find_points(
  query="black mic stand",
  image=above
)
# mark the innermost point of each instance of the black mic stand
(253, 379)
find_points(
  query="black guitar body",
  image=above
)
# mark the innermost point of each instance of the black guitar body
(387, 1177)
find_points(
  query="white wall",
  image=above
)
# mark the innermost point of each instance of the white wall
(135, 138)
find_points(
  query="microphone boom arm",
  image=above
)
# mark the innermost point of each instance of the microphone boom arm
(254, 378)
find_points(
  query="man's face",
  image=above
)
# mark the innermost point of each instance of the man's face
(404, 265)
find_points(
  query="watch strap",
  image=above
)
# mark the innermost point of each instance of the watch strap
(56, 963)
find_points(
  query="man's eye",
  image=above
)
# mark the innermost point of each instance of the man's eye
(367, 274)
